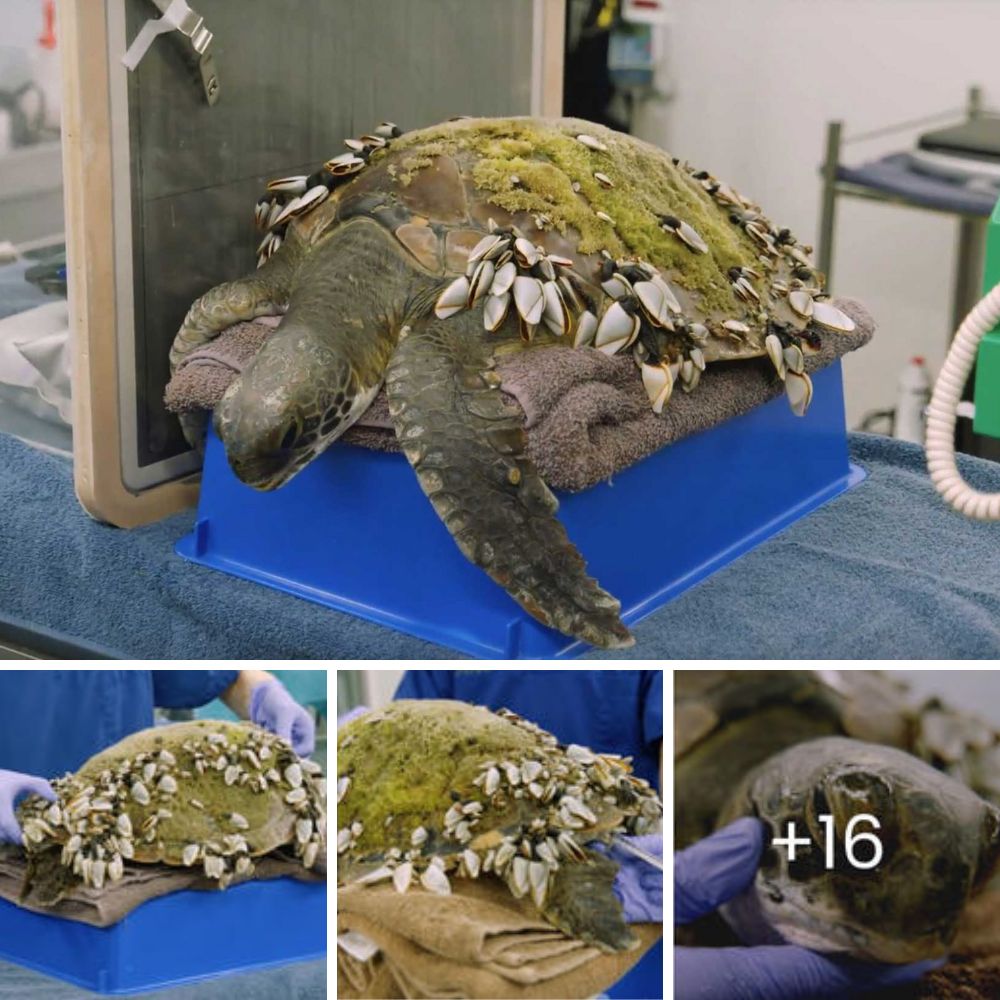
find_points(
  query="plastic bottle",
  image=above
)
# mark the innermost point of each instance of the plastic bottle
(914, 393)
(45, 69)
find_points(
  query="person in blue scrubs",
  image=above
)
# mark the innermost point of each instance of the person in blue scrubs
(611, 711)
(54, 720)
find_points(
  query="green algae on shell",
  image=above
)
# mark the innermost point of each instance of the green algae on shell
(546, 158)
(429, 790)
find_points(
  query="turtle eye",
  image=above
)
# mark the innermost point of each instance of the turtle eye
(289, 437)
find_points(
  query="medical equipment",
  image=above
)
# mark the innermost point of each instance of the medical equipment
(977, 341)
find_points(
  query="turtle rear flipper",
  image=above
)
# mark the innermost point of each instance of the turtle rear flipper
(581, 903)
(468, 449)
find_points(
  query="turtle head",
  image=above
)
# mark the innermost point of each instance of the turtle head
(293, 400)
(909, 846)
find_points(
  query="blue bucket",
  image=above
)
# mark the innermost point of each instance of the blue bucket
(174, 939)
(355, 532)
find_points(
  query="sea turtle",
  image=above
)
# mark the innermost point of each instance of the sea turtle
(420, 258)
(212, 793)
(766, 744)
(428, 791)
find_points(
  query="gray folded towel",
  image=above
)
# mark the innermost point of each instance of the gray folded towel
(587, 415)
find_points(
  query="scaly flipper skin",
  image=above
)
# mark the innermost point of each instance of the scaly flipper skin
(581, 903)
(263, 293)
(468, 448)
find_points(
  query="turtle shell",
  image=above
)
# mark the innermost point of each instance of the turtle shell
(432, 789)
(599, 215)
(212, 793)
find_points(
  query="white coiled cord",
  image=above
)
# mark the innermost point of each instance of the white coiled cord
(941, 413)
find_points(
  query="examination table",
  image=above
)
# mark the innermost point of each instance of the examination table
(884, 570)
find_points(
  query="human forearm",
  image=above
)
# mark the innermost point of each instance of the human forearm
(236, 697)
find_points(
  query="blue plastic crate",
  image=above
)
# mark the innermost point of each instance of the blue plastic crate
(174, 939)
(355, 532)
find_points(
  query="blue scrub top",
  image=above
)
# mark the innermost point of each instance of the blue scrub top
(613, 711)
(51, 721)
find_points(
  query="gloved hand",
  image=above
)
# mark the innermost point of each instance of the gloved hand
(13, 786)
(353, 714)
(638, 884)
(717, 869)
(272, 707)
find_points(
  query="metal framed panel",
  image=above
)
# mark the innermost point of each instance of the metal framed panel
(160, 185)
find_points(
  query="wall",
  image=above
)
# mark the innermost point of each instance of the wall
(974, 691)
(755, 82)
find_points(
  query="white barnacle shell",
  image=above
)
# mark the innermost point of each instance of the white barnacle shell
(802, 302)
(293, 775)
(617, 329)
(591, 143)
(471, 863)
(586, 327)
(794, 361)
(530, 769)
(403, 876)
(799, 390)
(529, 297)
(503, 278)
(435, 880)
(658, 381)
(538, 878)
(418, 837)
(310, 854)
(832, 318)
(556, 313)
(116, 868)
(190, 854)
(518, 877)
(495, 311)
(775, 352)
(453, 299)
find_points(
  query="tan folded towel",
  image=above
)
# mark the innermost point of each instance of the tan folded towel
(587, 415)
(478, 942)
(106, 906)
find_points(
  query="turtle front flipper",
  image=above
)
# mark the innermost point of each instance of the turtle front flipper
(468, 448)
(581, 903)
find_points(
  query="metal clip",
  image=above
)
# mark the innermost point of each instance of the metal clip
(178, 16)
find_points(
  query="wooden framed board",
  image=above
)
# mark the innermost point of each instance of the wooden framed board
(160, 184)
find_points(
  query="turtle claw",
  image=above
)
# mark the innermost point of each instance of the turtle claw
(469, 451)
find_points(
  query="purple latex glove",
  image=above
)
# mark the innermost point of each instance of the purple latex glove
(272, 707)
(638, 884)
(13, 786)
(717, 869)
(353, 714)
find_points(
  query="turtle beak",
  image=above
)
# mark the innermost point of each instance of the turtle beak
(260, 448)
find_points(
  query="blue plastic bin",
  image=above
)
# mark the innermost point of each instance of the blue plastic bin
(174, 939)
(355, 532)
